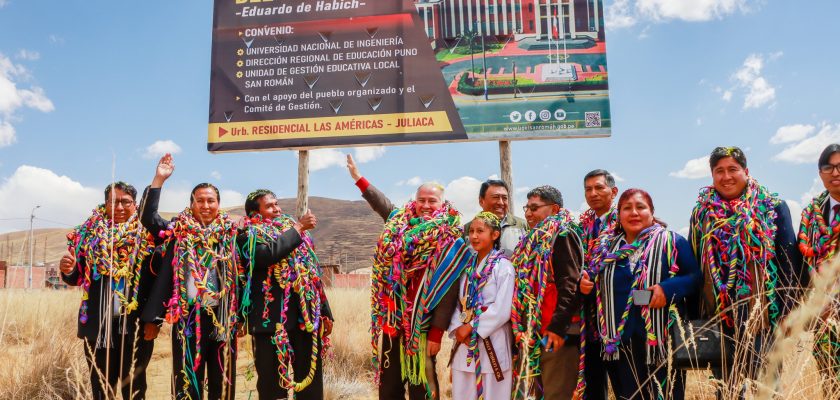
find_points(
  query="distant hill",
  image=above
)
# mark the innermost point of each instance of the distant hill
(346, 235)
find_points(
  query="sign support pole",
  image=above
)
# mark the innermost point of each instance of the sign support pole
(303, 183)
(507, 169)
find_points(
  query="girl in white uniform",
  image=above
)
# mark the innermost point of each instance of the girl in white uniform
(481, 358)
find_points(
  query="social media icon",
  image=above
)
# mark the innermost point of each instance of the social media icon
(515, 116)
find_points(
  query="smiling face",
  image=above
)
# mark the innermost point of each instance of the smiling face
(730, 178)
(429, 199)
(635, 215)
(496, 201)
(537, 210)
(205, 205)
(120, 207)
(482, 237)
(269, 208)
(599, 196)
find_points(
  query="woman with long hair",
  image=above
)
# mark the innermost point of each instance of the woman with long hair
(641, 274)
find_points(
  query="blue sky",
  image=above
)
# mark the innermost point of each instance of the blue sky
(87, 88)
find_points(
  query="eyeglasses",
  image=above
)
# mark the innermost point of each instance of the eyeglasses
(125, 203)
(829, 168)
(534, 207)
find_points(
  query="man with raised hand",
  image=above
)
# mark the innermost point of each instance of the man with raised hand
(418, 259)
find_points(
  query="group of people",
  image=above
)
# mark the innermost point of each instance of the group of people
(550, 307)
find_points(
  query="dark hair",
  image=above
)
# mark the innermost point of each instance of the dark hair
(627, 194)
(720, 153)
(827, 153)
(547, 193)
(492, 182)
(601, 172)
(252, 202)
(205, 185)
(130, 190)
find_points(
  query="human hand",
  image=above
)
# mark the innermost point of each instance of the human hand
(165, 168)
(150, 331)
(354, 171)
(432, 348)
(658, 300)
(307, 221)
(463, 333)
(68, 262)
(328, 326)
(553, 341)
(586, 285)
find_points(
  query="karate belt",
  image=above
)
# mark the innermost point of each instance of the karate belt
(491, 355)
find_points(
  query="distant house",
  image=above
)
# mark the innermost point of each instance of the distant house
(17, 276)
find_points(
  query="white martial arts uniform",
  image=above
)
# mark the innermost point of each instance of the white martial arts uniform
(494, 323)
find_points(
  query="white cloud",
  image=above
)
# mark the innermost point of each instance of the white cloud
(463, 193)
(29, 55)
(13, 98)
(690, 10)
(792, 133)
(759, 92)
(726, 96)
(161, 147)
(216, 175)
(415, 181)
(620, 15)
(367, 154)
(617, 177)
(697, 168)
(56, 39)
(796, 206)
(326, 158)
(61, 199)
(808, 150)
(3, 2)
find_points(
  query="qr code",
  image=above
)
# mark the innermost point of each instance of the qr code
(593, 119)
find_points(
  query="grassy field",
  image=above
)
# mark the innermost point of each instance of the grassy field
(42, 358)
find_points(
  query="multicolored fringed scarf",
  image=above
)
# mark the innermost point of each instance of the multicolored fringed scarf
(115, 251)
(590, 242)
(477, 274)
(817, 238)
(653, 251)
(208, 255)
(427, 254)
(730, 237)
(532, 263)
(299, 272)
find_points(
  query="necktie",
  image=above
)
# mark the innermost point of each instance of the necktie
(596, 228)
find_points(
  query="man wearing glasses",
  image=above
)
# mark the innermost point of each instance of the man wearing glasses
(551, 248)
(110, 256)
(494, 197)
(818, 239)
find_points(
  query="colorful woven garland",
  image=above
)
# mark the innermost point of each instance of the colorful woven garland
(602, 257)
(532, 262)
(113, 250)
(299, 272)
(409, 246)
(476, 280)
(199, 250)
(590, 242)
(818, 239)
(733, 235)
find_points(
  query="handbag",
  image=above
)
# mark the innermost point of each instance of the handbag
(700, 347)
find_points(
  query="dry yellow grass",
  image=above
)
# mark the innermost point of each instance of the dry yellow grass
(41, 357)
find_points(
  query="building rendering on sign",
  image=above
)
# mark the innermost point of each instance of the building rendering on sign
(447, 19)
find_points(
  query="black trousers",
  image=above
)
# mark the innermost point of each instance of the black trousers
(217, 364)
(594, 371)
(391, 383)
(633, 379)
(114, 364)
(266, 363)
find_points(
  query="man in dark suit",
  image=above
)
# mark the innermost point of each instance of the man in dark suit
(818, 244)
(106, 253)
